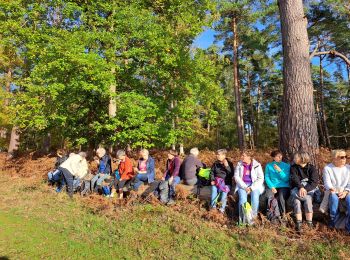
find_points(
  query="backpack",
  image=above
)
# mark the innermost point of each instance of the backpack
(106, 190)
(273, 212)
(117, 175)
(247, 214)
(203, 176)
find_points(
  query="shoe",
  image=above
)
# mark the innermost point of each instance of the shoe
(58, 189)
(309, 224)
(331, 224)
(298, 226)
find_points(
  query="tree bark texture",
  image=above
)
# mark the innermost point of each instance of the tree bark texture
(298, 125)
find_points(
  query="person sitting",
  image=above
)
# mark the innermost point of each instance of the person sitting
(125, 171)
(56, 176)
(249, 178)
(336, 179)
(145, 169)
(189, 167)
(221, 179)
(277, 174)
(171, 174)
(304, 181)
(104, 169)
(74, 169)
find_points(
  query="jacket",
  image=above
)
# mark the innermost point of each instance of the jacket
(105, 165)
(125, 169)
(219, 170)
(172, 167)
(308, 173)
(76, 165)
(257, 176)
(150, 169)
(189, 167)
(275, 179)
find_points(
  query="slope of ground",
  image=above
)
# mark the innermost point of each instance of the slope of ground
(35, 222)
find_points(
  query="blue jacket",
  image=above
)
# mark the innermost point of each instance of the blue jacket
(275, 179)
(150, 169)
(105, 165)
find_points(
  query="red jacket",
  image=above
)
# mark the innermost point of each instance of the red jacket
(126, 170)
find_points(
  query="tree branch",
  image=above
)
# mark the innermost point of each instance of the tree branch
(332, 53)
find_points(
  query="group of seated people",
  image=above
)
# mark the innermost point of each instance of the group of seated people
(281, 181)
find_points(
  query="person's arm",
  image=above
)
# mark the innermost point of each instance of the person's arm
(260, 178)
(313, 179)
(198, 163)
(294, 178)
(285, 173)
(239, 181)
(177, 164)
(267, 176)
(327, 179)
(151, 165)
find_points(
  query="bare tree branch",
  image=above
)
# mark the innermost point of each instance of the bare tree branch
(333, 53)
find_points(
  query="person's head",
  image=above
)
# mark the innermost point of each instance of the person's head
(61, 152)
(100, 152)
(171, 154)
(276, 155)
(82, 154)
(194, 151)
(301, 158)
(121, 155)
(339, 157)
(246, 156)
(144, 153)
(221, 154)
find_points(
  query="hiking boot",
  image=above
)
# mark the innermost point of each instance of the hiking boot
(58, 189)
(309, 224)
(331, 224)
(298, 226)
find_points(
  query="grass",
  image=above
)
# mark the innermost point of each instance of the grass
(36, 223)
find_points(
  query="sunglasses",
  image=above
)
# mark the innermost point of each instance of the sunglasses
(343, 157)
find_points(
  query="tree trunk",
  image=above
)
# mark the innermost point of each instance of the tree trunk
(236, 86)
(252, 119)
(298, 126)
(256, 128)
(112, 108)
(323, 113)
(182, 152)
(14, 142)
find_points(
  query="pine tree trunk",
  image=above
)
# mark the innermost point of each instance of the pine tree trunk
(112, 107)
(257, 122)
(323, 113)
(298, 126)
(236, 86)
(182, 152)
(14, 142)
(252, 118)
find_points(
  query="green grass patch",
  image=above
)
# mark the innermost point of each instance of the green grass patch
(38, 223)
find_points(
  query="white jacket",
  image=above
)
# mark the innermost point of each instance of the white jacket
(76, 165)
(336, 178)
(257, 176)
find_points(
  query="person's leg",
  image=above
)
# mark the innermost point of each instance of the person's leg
(93, 181)
(297, 209)
(254, 195)
(121, 185)
(347, 223)
(101, 179)
(333, 209)
(176, 181)
(242, 198)
(140, 179)
(283, 195)
(214, 194)
(69, 180)
(308, 208)
(223, 201)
